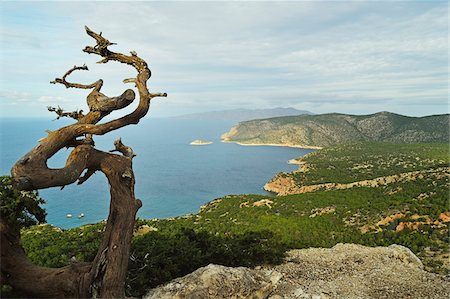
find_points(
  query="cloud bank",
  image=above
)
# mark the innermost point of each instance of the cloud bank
(350, 57)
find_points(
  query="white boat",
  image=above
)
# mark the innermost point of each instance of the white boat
(69, 215)
(81, 215)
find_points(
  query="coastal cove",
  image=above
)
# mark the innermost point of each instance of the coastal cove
(173, 178)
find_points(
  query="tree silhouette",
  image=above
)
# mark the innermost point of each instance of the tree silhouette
(104, 277)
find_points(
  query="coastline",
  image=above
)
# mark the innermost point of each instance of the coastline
(274, 144)
(295, 162)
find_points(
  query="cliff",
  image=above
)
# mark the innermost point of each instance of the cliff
(331, 129)
(344, 271)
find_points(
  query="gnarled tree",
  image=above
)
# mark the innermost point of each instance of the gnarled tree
(104, 277)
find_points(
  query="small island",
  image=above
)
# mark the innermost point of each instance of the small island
(200, 142)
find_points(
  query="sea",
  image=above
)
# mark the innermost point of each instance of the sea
(173, 178)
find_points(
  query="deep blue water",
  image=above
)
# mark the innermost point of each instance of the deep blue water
(173, 178)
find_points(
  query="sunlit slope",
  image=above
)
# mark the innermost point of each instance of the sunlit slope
(331, 129)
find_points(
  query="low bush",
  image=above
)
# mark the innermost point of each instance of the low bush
(157, 257)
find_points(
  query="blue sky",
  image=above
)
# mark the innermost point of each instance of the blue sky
(354, 57)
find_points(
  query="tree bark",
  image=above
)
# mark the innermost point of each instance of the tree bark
(105, 276)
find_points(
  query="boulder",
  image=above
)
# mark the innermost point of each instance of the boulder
(215, 281)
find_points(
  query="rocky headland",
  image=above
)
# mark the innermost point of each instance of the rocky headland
(334, 128)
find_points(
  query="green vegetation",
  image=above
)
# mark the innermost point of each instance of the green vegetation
(231, 231)
(363, 161)
(158, 257)
(297, 222)
(19, 208)
(332, 129)
(247, 230)
(50, 246)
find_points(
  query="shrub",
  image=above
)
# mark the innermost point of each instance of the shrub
(19, 208)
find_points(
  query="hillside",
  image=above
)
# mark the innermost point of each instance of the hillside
(251, 230)
(243, 114)
(360, 162)
(331, 129)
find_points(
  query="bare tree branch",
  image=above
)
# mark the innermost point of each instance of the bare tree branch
(60, 112)
(154, 95)
(88, 140)
(99, 102)
(141, 83)
(97, 85)
(86, 176)
(125, 150)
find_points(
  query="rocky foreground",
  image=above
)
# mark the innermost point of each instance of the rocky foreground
(344, 271)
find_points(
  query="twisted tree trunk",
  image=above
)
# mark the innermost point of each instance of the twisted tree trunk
(105, 276)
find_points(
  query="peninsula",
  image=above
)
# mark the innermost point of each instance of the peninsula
(334, 128)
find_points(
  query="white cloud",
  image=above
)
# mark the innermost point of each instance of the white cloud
(218, 55)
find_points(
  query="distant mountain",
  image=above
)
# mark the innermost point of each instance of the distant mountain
(334, 128)
(238, 115)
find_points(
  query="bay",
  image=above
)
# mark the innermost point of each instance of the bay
(173, 178)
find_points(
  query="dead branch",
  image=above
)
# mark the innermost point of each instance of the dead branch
(60, 112)
(154, 95)
(86, 176)
(97, 101)
(97, 85)
(141, 83)
(88, 140)
(125, 150)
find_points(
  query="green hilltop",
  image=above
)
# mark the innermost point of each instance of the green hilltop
(334, 128)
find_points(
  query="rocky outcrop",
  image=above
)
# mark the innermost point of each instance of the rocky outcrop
(344, 271)
(284, 183)
(215, 281)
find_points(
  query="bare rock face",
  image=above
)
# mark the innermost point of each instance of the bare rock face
(281, 184)
(344, 271)
(215, 281)
(355, 271)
